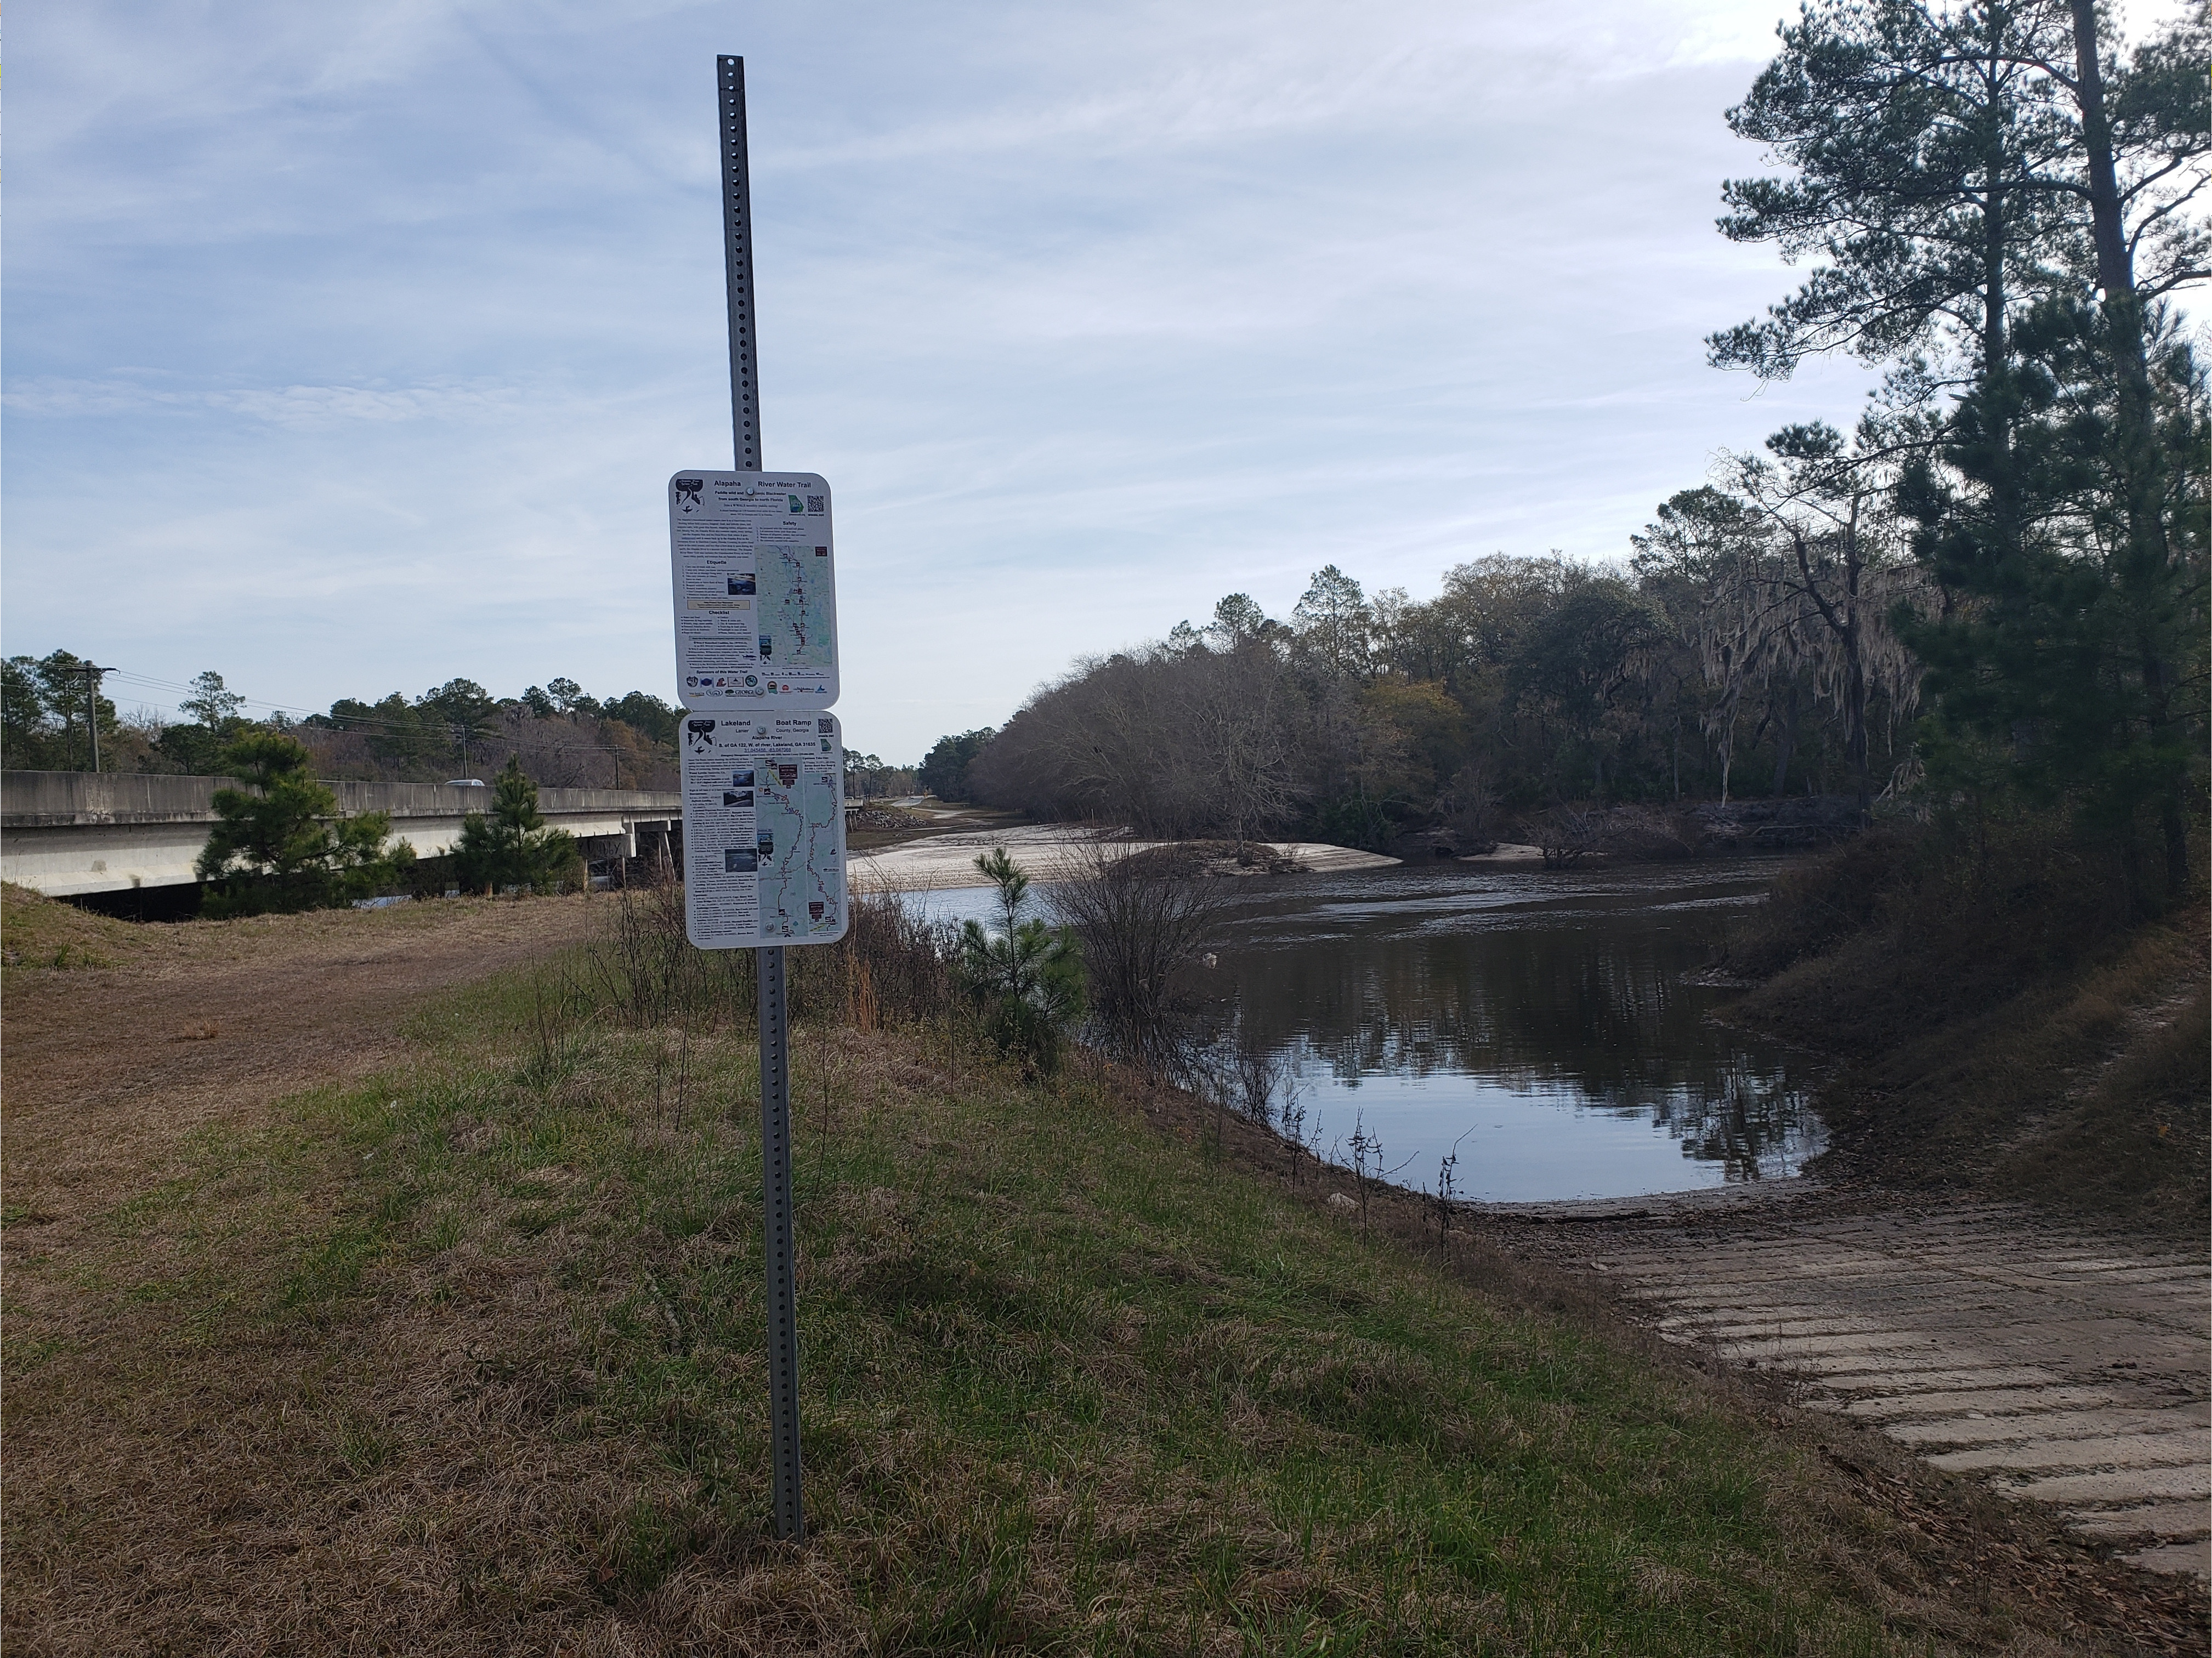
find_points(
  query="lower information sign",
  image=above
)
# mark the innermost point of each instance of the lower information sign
(764, 829)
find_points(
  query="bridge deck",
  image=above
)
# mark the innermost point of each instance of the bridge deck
(64, 833)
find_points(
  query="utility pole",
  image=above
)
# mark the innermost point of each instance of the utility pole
(92, 709)
(781, 1251)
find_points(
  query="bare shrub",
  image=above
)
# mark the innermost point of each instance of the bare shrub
(1236, 1077)
(1564, 836)
(642, 964)
(1138, 929)
(645, 969)
(1258, 1078)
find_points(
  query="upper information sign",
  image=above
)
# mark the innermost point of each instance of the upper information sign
(753, 563)
(764, 828)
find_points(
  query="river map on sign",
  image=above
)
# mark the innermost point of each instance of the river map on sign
(797, 630)
(799, 816)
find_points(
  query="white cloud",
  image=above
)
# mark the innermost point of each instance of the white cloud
(301, 406)
(1085, 311)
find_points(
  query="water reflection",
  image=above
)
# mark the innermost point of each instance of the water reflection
(1537, 1024)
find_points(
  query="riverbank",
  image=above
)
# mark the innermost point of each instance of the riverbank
(441, 1334)
(2000, 1029)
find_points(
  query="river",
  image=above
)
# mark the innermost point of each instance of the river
(1540, 1027)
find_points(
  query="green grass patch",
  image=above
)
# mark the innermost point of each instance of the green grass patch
(1069, 1385)
(487, 1329)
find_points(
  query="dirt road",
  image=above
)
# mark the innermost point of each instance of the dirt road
(2059, 1364)
(203, 1021)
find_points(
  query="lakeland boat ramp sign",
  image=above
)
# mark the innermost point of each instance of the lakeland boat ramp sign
(753, 565)
(764, 828)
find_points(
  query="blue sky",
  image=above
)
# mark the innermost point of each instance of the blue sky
(349, 347)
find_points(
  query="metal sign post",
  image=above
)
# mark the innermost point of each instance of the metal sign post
(737, 260)
(779, 1251)
(753, 578)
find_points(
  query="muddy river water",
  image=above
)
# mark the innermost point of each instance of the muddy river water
(1542, 1028)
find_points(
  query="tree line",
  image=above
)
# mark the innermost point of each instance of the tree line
(563, 736)
(560, 735)
(1986, 591)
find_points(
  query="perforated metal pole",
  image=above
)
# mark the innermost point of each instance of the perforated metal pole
(781, 1248)
(738, 259)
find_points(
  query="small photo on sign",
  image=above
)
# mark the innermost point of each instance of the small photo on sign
(741, 779)
(737, 797)
(736, 860)
(741, 584)
(767, 846)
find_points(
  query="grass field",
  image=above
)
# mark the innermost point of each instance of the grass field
(462, 1354)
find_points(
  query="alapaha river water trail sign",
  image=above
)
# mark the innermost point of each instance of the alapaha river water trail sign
(752, 564)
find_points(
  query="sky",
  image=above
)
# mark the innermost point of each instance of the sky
(348, 348)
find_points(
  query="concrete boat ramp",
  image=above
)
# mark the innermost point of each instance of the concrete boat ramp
(2058, 1363)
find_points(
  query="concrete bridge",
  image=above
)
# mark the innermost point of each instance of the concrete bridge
(70, 832)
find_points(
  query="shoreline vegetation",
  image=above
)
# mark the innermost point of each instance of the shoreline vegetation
(2001, 1023)
(455, 1346)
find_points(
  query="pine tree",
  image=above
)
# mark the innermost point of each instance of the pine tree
(280, 843)
(1026, 978)
(514, 847)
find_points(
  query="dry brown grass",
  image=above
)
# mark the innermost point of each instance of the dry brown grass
(2003, 1024)
(2056, 1089)
(95, 1087)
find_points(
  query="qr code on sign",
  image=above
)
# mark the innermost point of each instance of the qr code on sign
(814, 503)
